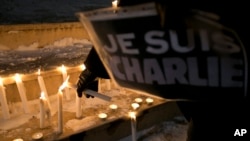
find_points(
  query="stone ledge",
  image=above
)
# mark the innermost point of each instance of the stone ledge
(121, 128)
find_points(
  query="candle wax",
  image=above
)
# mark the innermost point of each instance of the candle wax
(60, 113)
(3, 101)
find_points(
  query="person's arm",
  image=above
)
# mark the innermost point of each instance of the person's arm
(94, 69)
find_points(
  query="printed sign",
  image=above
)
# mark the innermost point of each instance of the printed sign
(189, 57)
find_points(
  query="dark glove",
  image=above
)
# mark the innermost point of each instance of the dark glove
(86, 77)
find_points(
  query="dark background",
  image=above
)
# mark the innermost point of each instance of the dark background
(45, 11)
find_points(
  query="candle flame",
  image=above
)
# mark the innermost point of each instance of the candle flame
(64, 84)
(42, 96)
(39, 72)
(83, 67)
(18, 78)
(132, 115)
(1, 81)
(63, 69)
(115, 3)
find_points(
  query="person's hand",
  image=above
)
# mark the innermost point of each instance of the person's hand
(85, 78)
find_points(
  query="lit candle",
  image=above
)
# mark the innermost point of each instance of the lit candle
(133, 125)
(103, 116)
(60, 106)
(42, 110)
(37, 136)
(115, 4)
(22, 93)
(42, 87)
(149, 101)
(113, 107)
(4, 104)
(78, 107)
(135, 106)
(64, 74)
(138, 100)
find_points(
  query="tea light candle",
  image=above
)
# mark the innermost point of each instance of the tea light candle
(149, 101)
(113, 107)
(133, 125)
(138, 100)
(103, 116)
(135, 106)
(37, 136)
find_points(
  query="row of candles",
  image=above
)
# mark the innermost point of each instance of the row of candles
(132, 114)
(22, 91)
(103, 116)
(45, 105)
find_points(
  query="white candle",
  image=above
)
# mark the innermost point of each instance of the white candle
(60, 112)
(135, 106)
(113, 107)
(65, 75)
(37, 136)
(78, 107)
(138, 100)
(4, 104)
(22, 93)
(42, 110)
(133, 125)
(149, 101)
(43, 88)
(103, 116)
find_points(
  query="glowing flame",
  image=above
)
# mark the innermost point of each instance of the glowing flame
(39, 72)
(132, 115)
(64, 84)
(83, 67)
(63, 69)
(115, 3)
(1, 81)
(18, 78)
(42, 96)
